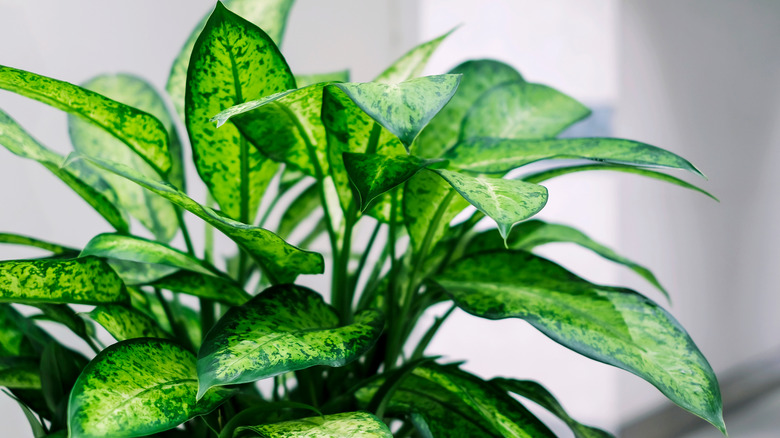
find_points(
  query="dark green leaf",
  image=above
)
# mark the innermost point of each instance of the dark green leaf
(412, 63)
(301, 208)
(316, 78)
(59, 368)
(136, 388)
(505, 201)
(232, 61)
(347, 424)
(404, 108)
(16, 239)
(63, 314)
(124, 322)
(12, 339)
(540, 395)
(35, 424)
(612, 325)
(19, 373)
(219, 289)
(521, 109)
(285, 328)
(141, 131)
(478, 77)
(87, 280)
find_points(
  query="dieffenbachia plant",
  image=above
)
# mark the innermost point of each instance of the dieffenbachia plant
(399, 158)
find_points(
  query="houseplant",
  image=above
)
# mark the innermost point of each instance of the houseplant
(402, 156)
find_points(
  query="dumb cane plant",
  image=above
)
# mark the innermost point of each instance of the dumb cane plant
(403, 157)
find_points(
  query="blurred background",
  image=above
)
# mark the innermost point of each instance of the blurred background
(698, 77)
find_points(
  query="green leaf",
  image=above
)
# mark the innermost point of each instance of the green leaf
(499, 155)
(521, 110)
(298, 210)
(374, 174)
(124, 322)
(269, 15)
(533, 233)
(316, 78)
(544, 175)
(285, 328)
(12, 338)
(347, 424)
(283, 260)
(411, 64)
(540, 395)
(156, 214)
(210, 287)
(136, 249)
(232, 61)
(60, 367)
(35, 424)
(86, 280)
(136, 388)
(17, 239)
(404, 108)
(141, 131)
(20, 143)
(505, 201)
(478, 77)
(19, 373)
(612, 325)
(63, 314)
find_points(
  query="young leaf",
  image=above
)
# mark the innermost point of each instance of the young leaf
(522, 110)
(269, 15)
(316, 78)
(135, 388)
(477, 77)
(499, 155)
(56, 249)
(20, 143)
(124, 322)
(87, 280)
(612, 325)
(412, 63)
(285, 328)
(283, 260)
(347, 424)
(374, 174)
(210, 287)
(19, 373)
(141, 131)
(404, 108)
(430, 204)
(232, 61)
(541, 396)
(505, 201)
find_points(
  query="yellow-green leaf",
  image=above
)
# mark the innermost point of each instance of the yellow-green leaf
(347, 424)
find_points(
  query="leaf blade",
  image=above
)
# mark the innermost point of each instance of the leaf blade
(345, 424)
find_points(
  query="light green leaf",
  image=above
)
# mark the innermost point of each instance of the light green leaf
(269, 15)
(136, 388)
(232, 61)
(478, 77)
(612, 325)
(374, 174)
(540, 395)
(404, 108)
(298, 210)
(505, 201)
(20, 143)
(17, 239)
(86, 280)
(19, 373)
(135, 273)
(285, 328)
(220, 289)
(141, 131)
(499, 155)
(284, 261)
(124, 322)
(411, 64)
(316, 78)
(347, 424)
(521, 110)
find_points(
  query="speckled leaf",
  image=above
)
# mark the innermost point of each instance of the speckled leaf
(374, 174)
(499, 155)
(612, 325)
(298, 210)
(412, 63)
(136, 388)
(269, 15)
(285, 127)
(285, 328)
(347, 424)
(540, 395)
(219, 289)
(139, 130)
(284, 261)
(533, 233)
(136, 249)
(87, 280)
(505, 201)
(404, 108)
(54, 248)
(19, 373)
(232, 61)
(523, 110)
(124, 322)
(135, 273)
(478, 77)
(20, 143)
(315, 78)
